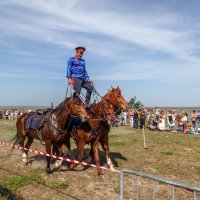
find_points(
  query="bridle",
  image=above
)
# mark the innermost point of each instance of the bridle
(103, 112)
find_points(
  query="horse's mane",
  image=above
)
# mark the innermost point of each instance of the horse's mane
(60, 106)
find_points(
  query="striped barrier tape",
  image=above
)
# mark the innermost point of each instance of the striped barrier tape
(60, 158)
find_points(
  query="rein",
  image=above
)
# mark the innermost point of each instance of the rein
(60, 130)
(102, 112)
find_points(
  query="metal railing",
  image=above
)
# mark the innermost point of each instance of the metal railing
(155, 179)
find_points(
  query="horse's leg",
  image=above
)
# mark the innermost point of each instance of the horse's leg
(48, 150)
(21, 128)
(105, 146)
(66, 145)
(68, 153)
(80, 153)
(91, 151)
(21, 144)
(62, 153)
(56, 150)
(96, 155)
(28, 144)
(90, 155)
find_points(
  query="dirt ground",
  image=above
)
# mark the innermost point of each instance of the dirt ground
(84, 183)
(172, 156)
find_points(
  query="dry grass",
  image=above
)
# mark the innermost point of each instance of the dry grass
(169, 155)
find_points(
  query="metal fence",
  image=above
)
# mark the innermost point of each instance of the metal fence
(155, 179)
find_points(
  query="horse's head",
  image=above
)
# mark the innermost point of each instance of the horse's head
(108, 112)
(77, 108)
(117, 99)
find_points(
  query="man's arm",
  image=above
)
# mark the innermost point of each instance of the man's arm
(69, 68)
(69, 71)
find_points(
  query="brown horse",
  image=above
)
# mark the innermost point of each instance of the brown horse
(54, 128)
(89, 132)
(116, 99)
(112, 101)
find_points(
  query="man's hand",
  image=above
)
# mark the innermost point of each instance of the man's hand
(70, 81)
(89, 81)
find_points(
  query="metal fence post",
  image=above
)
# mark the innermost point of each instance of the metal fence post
(137, 187)
(121, 186)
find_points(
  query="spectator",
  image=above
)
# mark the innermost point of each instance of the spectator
(194, 119)
(180, 124)
(157, 111)
(135, 119)
(124, 117)
(142, 118)
(131, 114)
(198, 118)
(185, 120)
(149, 117)
(170, 120)
(189, 130)
(161, 123)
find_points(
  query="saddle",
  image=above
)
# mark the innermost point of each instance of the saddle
(36, 122)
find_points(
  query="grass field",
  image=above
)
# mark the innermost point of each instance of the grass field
(169, 155)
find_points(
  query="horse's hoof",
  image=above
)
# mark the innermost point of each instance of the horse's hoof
(49, 171)
(80, 167)
(100, 173)
(64, 168)
(57, 165)
(73, 166)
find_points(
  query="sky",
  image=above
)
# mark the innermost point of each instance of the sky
(150, 49)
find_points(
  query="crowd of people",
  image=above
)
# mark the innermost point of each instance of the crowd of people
(12, 113)
(156, 119)
(153, 119)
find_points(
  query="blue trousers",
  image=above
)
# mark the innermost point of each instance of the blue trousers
(135, 122)
(82, 83)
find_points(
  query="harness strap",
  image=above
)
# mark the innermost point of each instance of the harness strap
(60, 130)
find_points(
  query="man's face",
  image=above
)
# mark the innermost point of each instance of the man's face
(79, 54)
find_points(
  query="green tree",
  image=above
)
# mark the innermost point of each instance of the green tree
(133, 103)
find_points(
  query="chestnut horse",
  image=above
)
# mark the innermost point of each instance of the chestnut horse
(112, 101)
(54, 128)
(90, 131)
(116, 99)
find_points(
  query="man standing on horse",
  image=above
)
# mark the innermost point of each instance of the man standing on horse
(77, 74)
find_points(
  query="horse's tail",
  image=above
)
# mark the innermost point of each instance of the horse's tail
(16, 141)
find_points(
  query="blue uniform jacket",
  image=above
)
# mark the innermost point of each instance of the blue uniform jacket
(76, 69)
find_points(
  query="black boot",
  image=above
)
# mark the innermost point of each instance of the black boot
(87, 104)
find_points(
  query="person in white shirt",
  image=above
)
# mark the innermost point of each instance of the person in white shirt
(185, 120)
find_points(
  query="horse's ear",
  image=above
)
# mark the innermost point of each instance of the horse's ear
(109, 90)
(118, 87)
(112, 87)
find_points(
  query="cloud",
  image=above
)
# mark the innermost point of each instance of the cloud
(151, 31)
(109, 34)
